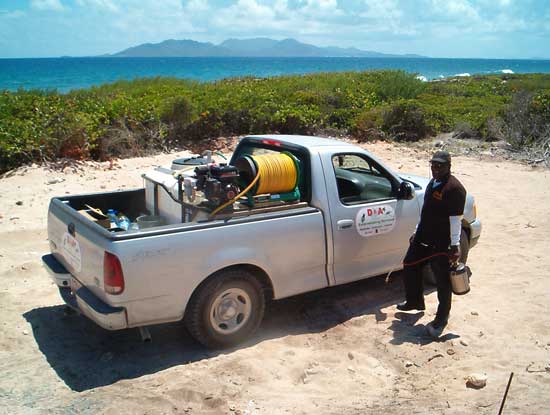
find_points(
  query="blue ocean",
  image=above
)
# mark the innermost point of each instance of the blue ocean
(66, 74)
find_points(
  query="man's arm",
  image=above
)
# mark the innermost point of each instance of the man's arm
(454, 252)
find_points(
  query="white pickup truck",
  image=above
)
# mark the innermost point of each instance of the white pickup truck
(225, 246)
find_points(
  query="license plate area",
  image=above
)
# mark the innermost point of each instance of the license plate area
(70, 249)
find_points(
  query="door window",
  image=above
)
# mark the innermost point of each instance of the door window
(361, 180)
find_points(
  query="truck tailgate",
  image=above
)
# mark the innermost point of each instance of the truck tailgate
(78, 246)
(78, 243)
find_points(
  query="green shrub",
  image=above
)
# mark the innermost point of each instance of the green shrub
(176, 111)
(300, 120)
(367, 126)
(405, 121)
(464, 130)
(391, 85)
(208, 125)
(527, 119)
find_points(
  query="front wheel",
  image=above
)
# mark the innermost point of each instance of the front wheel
(427, 272)
(226, 309)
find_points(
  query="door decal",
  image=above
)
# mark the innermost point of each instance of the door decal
(376, 220)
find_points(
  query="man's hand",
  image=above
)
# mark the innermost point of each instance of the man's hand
(454, 254)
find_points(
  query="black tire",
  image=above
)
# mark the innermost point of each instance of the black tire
(427, 273)
(226, 309)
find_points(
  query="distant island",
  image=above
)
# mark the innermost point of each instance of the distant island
(257, 47)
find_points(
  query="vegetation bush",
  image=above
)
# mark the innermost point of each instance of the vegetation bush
(391, 85)
(527, 119)
(405, 121)
(464, 130)
(367, 125)
(136, 117)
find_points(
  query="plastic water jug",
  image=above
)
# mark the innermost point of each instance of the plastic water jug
(123, 221)
(111, 213)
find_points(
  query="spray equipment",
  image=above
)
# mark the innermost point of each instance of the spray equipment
(460, 278)
(279, 176)
(266, 178)
(218, 182)
(187, 163)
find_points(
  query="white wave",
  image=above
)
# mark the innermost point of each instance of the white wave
(507, 71)
(463, 74)
(441, 76)
(422, 78)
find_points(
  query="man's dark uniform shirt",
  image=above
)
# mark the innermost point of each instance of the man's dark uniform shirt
(440, 202)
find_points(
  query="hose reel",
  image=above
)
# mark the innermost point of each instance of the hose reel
(267, 178)
(279, 174)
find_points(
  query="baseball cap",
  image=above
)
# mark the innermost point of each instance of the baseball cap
(441, 157)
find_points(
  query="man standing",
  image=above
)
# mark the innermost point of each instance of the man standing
(437, 240)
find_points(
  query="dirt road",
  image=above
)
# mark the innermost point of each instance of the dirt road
(344, 350)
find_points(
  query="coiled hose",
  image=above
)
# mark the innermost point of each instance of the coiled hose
(276, 173)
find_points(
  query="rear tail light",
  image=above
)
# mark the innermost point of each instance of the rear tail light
(113, 278)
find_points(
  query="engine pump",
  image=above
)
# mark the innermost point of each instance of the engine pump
(218, 182)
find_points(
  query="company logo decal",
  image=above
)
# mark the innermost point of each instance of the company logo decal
(377, 220)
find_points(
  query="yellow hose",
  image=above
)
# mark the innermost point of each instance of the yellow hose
(277, 171)
(278, 175)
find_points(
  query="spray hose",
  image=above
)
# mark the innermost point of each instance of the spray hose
(278, 173)
(409, 264)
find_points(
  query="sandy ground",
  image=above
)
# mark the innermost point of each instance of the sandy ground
(344, 350)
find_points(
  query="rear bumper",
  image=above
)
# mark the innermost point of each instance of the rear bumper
(57, 271)
(83, 300)
(475, 232)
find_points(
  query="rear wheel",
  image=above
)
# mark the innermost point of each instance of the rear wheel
(226, 309)
(427, 272)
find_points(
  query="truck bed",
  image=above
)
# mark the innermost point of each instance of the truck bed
(132, 204)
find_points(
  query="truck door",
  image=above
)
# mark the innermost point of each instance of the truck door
(371, 226)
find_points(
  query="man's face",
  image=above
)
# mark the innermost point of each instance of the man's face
(440, 170)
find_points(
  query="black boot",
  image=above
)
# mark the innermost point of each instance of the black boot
(408, 306)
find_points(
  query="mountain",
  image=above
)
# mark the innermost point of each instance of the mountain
(257, 47)
(249, 47)
(172, 48)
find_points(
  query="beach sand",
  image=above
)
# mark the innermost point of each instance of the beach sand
(344, 350)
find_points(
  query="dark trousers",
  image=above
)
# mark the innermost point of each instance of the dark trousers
(413, 278)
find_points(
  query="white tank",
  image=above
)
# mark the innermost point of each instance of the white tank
(168, 208)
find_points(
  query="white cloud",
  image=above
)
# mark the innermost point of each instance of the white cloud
(107, 5)
(320, 9)
(280, 6)
(459, 10)
(245, 14)
(154, 21)
(54, 5)
(13, 14)
(385, 17)
(197, 6)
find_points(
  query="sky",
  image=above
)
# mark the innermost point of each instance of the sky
(436, 28)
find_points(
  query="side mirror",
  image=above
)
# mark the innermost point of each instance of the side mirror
(406, 191)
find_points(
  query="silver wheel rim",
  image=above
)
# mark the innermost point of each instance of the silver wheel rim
(230, 311)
